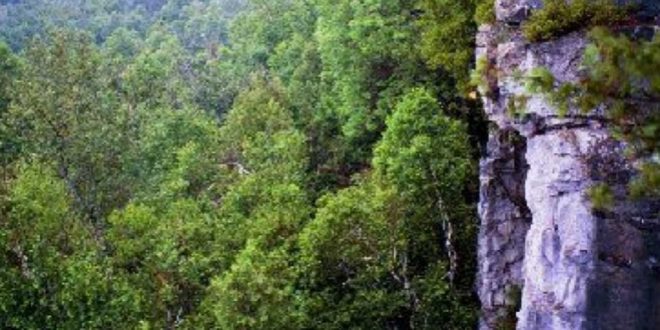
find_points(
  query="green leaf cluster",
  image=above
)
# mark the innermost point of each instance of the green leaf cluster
(559, 17)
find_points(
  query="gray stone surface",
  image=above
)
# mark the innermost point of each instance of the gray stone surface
(559, 249)
(505, 220)
(578, 268)
(515, 11)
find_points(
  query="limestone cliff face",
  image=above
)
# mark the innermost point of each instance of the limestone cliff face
(575, 268)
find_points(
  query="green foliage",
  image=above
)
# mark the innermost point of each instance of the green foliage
(482, 76)
(423, 152)
(259, 133)
(155, 79)
(364, 49)
(175, 154)
(559, 17)
(426, 156)
(372, 54)
(200, 23)
(350, 254)
(236, 165)
(485, 12)
(264, 164)
(257, 293)
(623, 76)
(648, 183)
(50, 277)
(539, 79)
(62, 112)
(448, 45)
(369, 250)
(9, 68)
(262, 213)
(601, 197)
(517, 105)
(163, 255)
(37, 194)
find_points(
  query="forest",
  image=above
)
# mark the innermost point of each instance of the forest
(235, 164)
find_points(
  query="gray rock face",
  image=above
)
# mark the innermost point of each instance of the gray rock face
(576, 268)
(559, 249)
(515, 11)
(505, 220)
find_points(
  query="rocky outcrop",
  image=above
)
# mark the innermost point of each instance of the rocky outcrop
(575, 268)
(506, 220)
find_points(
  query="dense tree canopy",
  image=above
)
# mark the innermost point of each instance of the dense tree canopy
(235, 164)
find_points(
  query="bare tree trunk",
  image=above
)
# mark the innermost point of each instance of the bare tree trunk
(448, 229)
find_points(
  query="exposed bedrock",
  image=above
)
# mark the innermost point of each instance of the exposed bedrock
(547, 259)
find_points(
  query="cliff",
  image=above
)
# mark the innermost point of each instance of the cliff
(547, 259)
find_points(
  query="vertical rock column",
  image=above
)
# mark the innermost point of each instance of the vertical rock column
(560, 244)
(505, 220)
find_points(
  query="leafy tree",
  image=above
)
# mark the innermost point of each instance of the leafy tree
(259, 133)
(257, 293)
(165, 256)
(372, 249)
(118, 51)
(426, 157)
(63, 112)
(175, 155)
(261, 145)
(447, 36)
(52, 275)
(156, 76)
(366, 50)
(371, 56)
(424, 153)
(264, 211)
(350, 261)
(9, 68)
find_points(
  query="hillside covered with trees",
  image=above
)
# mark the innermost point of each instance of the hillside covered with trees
(224, 164)
(235, 164)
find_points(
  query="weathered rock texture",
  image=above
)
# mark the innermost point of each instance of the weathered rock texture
(576, 268)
